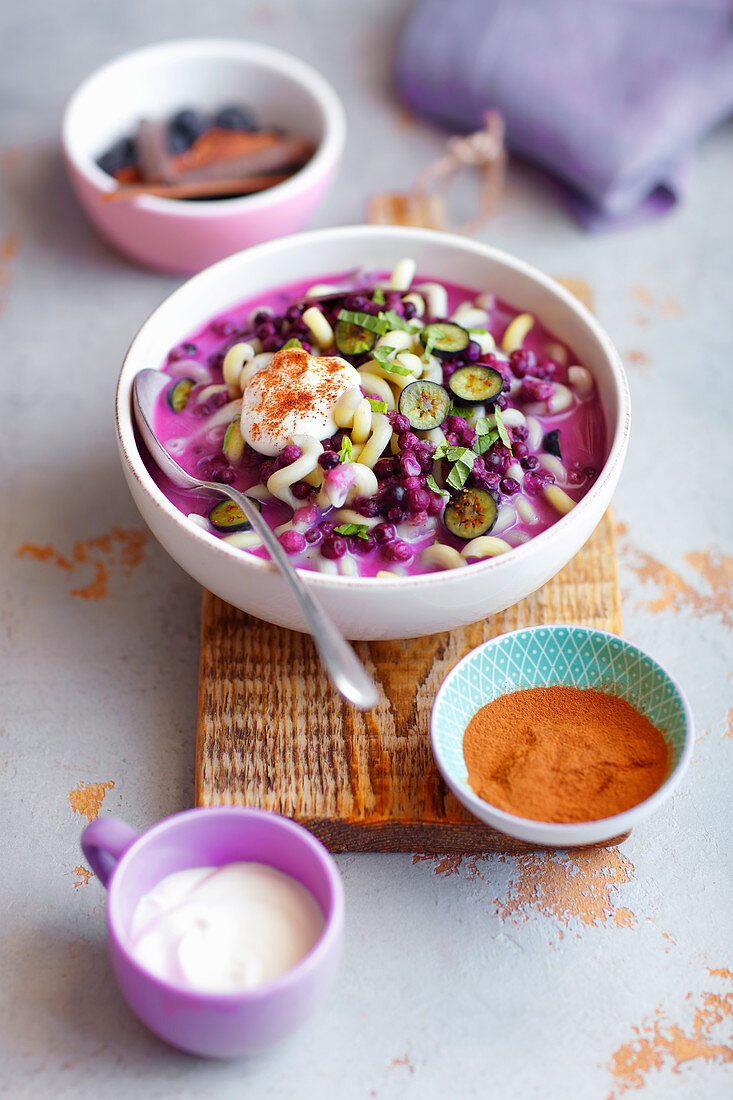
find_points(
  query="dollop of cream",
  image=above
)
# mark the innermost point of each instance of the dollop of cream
(294, 394)
(224, 929)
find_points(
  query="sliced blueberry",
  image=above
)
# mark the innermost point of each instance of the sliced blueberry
(235, 118)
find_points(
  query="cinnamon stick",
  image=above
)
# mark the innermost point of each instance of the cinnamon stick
(285, 152)
(201, 190)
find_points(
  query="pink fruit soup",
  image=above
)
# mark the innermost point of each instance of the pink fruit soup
(514, 434)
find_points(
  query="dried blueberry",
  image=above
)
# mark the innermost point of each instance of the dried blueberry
(235, 118)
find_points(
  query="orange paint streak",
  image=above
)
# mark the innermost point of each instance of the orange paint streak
(97, 588)
(84, 874)
(403, 1061)
(87, 798)
(638, 358)
(666, 307)
(573, 888)
(721, 972)
(118, 551)
(728, 732)
(8, 249)
(676, 594)
(444, 865)
(660, 1044)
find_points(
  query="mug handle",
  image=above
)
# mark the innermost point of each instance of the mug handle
(104, 842)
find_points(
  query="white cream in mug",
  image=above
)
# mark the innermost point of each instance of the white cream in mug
(224, 929)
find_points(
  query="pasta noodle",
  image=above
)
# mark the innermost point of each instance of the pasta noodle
(373, 384)
(445, 557)
(199, 521)
(243, 540)
(485, 546)
(469, 316)
(555, 466)
(561, 399)
(417, 301)
(381, 433)
(436, 298)
(397, 339)
(581, 380)
(319, 326)
(558, 498)
(516, 331)
(209, 391)
(234, 360)
(536, 433)
(403, 274)
(252, 366)
(525, 511)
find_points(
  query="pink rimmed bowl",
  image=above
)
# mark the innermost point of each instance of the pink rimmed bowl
(205, 73)
(371, 608)
(216, 1025)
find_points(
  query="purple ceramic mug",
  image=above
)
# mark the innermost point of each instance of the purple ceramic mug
(228, 1024)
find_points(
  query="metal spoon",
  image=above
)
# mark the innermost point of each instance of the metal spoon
(344, 667)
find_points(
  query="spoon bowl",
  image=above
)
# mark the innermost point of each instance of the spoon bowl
(343, 666)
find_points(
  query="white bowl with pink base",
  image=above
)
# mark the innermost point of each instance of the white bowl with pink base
(183, 237)
(377, 607)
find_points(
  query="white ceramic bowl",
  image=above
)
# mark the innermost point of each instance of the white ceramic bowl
(204, 73)
(541, 656)
(369, 608)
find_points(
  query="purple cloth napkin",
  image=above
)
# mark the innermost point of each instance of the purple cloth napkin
(609, 95)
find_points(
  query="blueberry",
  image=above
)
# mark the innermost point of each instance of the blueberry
(235, 118)
(190, 121)
(178, 140)
(120, 155)
(183, 129)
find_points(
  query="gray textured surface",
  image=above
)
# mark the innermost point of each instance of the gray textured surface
(522, 977)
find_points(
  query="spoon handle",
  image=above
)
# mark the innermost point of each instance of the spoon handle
(344, 667)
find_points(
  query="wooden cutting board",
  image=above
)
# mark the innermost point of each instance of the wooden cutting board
(273, 733)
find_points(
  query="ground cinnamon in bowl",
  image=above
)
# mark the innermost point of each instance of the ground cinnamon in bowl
(564, 754)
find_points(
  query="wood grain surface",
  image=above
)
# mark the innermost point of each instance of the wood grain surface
(273, 733)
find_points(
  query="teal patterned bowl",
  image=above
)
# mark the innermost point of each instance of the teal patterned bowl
(543, 656)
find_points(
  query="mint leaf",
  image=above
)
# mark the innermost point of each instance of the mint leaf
(359, 529)
(378, 296)
(483, 442)
(347, 451)
(433, 485)
(293, 342)
(503, 433)
(483, 426)
(461, 454)
(430, 343)
(382, 356)
(479, 331)
(392, 319)
(460, 410)
(440, 451)
(458, 475)
(365, 320)
(377, 406)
